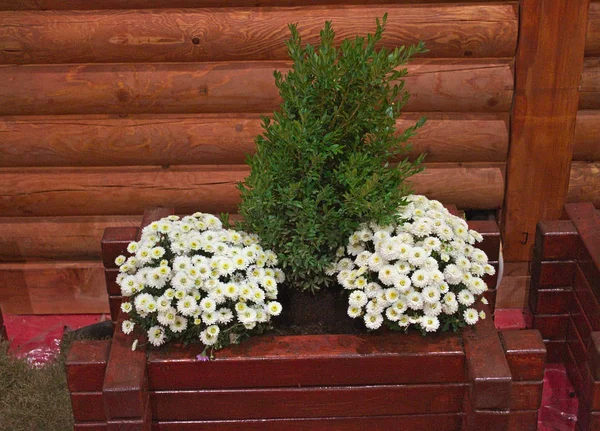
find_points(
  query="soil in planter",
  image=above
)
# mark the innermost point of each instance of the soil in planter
(321, 313)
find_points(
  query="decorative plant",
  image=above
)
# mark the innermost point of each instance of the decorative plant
(189, 279)
(323, 161)
(424, 272)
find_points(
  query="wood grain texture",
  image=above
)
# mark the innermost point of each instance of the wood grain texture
(548, 67)
(489, 375)
(85, 365)
(587, 136)
(129, 190)
(274, 403)
(589, 97)
(155, 4)
(312, 361)
(171, 139)
(592, 37)
(584, 183)
(439, 422)
(240, 34)
(56, 238)
(53, 288)
(462, 85)
(525, 354)
(87, 406)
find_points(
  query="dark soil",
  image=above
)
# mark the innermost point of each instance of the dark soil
(321, 313)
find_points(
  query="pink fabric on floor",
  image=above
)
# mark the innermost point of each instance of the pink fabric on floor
(38, 337)
(512, 318)
(559, 403)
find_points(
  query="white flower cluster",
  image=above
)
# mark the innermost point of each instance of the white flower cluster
(188, 278)
(424, 272)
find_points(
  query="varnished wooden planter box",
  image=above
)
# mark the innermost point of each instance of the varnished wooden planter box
(475, 380)
(565, 301)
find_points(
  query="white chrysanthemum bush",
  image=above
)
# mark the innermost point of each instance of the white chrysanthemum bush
(424, 272)
(189, 279)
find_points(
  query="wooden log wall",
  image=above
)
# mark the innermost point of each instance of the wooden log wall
(112, 106)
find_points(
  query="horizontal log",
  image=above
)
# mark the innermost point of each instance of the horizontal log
(105, 191)
(307, 402)
(308, 361)
(477, 85)
(589, 87)
(56, 238)
(584, 185)
(171, 139)
(155, 4)
(525, 355)
(242, 34)
(587, 135)
(592, 37)
(53, 288)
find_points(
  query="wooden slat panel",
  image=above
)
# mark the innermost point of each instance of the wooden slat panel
(239, 34)
(312, 360)
(53, 288)
(103, 140)
(587, 136)
(439, 422)
(592, 37)
(584, 185)
(478, 85)
(128, 190)
(589, 96)
(307, 402)
(548, 67)
(152, 4)
(56, 238)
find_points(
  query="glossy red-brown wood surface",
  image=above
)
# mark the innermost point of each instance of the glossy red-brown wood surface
(307, 402)
(86, 365)
(525, 354)
(87, 407)
(526, 395)
(313, 360)
(488, 372)
(441, 422)
(523, 420)
(89, 426)
(114, 243)
(550, 301)
(556, 240)
(552, 273)
(588, 299)
(484, 419)
(551, 326)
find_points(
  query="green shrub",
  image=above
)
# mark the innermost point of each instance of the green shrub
(322, 163)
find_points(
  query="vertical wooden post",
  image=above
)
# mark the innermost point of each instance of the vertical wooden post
(548, 69)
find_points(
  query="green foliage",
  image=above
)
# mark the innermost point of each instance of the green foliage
(322, 162)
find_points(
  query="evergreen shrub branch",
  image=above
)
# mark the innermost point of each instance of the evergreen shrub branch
(322, 164)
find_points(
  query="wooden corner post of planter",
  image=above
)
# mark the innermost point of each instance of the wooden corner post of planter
(125, 388)
(490, 232)
(526, 355)
(488, 400)
(582, 357)
(549, 62)
(551, 289)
